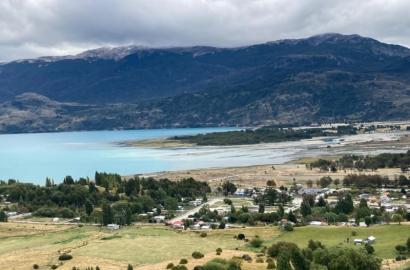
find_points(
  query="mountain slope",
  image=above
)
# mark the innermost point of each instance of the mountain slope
(322, 78)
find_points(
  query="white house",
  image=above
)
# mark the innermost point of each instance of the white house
(113, 226)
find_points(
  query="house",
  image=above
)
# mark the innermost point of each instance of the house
(316, 223)
(176, 224)
(240, 192)
(113, 226)
(310, 191)
(370, 240)
(159, 219)
(196, 202)
(358, 241)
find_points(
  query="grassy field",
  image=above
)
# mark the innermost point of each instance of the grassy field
(23, 245)
(387, 236)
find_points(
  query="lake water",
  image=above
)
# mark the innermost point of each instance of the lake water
(33, 157)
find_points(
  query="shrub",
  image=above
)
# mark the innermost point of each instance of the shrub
(65, 257)
(354, 233)
(256, 242)
(35, 266)
(259, 260)
(180, 267)
(218, 251)
(54, 266)
(197, 255)
(170, 265)
(183, 261)
(401, 258)
(369, 249)
(203, 234)
(221, 264)
(228, 201)
(246, 257)
(271, 265)
(241, 236)
(130, 267)
(199, 267)
(288, 227)
(401, 249)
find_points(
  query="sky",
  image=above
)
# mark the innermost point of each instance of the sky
(32, 28)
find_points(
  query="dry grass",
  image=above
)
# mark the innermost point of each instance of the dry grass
(250, 176)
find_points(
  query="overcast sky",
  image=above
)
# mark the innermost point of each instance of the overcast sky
(30, 28)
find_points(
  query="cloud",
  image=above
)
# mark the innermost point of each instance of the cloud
(30, 28)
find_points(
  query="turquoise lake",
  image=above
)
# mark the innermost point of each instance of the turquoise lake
(33, 157)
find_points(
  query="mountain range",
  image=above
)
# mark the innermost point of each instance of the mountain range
(328, 77)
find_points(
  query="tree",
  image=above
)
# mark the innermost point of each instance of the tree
(130, 267)
(345, 204)
(3, 216)
(271, 183)
(325, 181)
(363, 203)
(89, 208)
(292, 217)
(401, 248)
(283, 262)
(132, 187)
(68, 180)
(397, 218)
(336, 182)
(305, 209)
(309, 183)
(367, 220)
(299, 261)
(408, 244)
(321, 202)
(281, 211)
(48, 182)
(261, 209)
(228, 188)
(170, 203)
(107, 215)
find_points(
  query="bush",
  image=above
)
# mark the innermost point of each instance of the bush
(354, 233)
(35, 266)
(197, 255)
(241, 236)
(218, 251)
(183, 261)
(246, 257)
(256, 242)
(259, 260)
(54, 266)
(65, 257)
(199, 267)
(203, 234)
(221, 264)
(180, 267)
(65, 213)
(271, 265)
(170, 266)
(369, 248)
(288, 227)
(401, 258)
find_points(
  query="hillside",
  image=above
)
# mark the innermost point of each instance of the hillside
(327, 77)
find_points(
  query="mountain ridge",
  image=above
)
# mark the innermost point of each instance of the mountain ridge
(327, 77)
